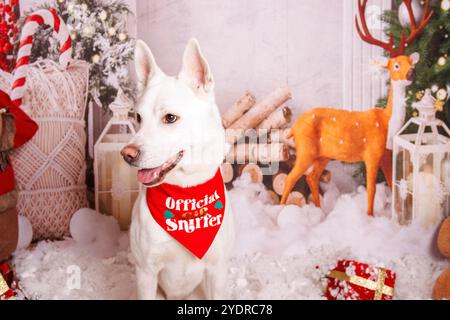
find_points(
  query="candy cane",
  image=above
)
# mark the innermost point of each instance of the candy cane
(40, 17)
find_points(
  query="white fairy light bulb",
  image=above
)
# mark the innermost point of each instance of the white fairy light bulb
(88, 31)
(96, 58)
(112, 31)
(122, 36)
(103, 15)
(442, 61)
(445, 5)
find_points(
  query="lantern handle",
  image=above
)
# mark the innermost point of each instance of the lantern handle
(407, 124)
(420, 135)
(443, 125)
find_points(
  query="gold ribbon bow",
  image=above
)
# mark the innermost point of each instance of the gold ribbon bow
(3, 286)
(378, 286)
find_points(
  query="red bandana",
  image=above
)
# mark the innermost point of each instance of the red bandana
(192, 215)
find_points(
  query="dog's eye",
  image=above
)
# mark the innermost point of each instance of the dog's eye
(138, 117)
(170, 118)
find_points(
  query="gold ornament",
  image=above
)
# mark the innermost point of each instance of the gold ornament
(415, 114)
(439, 105)
(419, 95)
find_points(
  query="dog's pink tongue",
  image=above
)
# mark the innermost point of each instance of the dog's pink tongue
(147, 176)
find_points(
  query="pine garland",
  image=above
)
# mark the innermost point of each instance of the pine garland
(99, 36)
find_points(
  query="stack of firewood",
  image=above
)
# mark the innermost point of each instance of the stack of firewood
(258, 134)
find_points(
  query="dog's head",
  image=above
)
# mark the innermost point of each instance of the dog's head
(181, 133)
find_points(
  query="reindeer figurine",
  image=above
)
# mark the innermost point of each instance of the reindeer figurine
(322, 134)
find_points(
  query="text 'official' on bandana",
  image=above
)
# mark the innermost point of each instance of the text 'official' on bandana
(191, 215)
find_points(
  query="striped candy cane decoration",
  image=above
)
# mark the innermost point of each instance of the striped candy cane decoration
(40, 17)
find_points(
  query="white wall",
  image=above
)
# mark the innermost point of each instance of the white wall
(253, 44)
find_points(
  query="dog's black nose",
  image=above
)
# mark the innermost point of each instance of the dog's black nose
(130, 153)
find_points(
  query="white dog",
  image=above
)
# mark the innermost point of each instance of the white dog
(181, 143)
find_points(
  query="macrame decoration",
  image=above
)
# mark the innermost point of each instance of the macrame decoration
(51, 179)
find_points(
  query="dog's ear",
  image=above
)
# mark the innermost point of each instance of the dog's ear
(196, 72)
(146, 67)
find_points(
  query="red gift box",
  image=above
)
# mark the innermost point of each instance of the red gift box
(6, 280)
(352, 280)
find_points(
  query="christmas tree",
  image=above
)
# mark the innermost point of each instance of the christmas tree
(433, 69)
(99, 36)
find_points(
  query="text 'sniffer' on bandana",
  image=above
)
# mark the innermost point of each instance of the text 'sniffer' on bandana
(192, 215)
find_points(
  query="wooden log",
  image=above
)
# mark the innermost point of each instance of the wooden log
(296, 198)
(227, 172)
(278, 182)
(277, 119)
(275, 198)
(281, 136)
(310, 201)
(262, 109)
(236, 111)
(253, 170)
(264, 153)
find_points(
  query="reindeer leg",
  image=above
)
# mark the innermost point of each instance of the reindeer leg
(314, 177)
(386, 166)
(301, 165)
(371, 181)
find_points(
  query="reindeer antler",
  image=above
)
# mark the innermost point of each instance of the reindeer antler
(367, 36)
(415, 31)
(404, 42)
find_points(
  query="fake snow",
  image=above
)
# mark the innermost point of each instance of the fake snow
(280, 253)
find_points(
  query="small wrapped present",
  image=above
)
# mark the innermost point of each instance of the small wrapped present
(352, 280)
(6, 280)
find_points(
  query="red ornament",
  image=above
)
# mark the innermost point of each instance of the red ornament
(352, 280)
(8, 34)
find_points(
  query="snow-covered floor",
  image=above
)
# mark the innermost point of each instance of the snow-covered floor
(280, 253)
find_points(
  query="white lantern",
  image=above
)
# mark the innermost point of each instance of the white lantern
(421, 168)
(116, 185)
